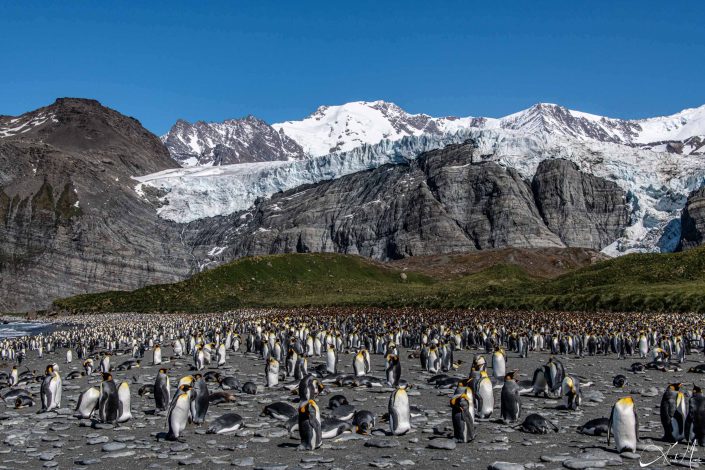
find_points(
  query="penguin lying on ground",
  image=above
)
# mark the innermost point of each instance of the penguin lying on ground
(537, 424)
(228, 422)
(279, 410)
(595, 427)
(364, 421)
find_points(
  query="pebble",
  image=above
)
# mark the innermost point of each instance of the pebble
(119, 454)
(505, 466)
(554, 458)
(581, 463)
(244, 462)
(113, 446)
(382, 443)
(178, 447)
(98, 440)
(443, 444)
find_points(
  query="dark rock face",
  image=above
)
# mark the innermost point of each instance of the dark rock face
(693, 221)
(582, 209)
(444, 202)
(233, 141)
(70, 221)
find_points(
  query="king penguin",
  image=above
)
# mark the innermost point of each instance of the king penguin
(108, 402)
(393, 370)
(624, 425)
(463, 415)
(199, 400)
(179, 411)
(570, 393)
(483, 394)
(87, 402)
(162, 392)
(510, 401)
(50, 391)
(309, 418)
(695, 422)
(360, 364)
(124, 408)
(271, 371)
(399, 412)
(499, 363)
(673, 413)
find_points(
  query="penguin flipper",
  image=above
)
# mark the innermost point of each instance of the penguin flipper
(636, 423)
(609, 426)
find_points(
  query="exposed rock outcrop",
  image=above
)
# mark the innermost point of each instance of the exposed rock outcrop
(693, 221)
(233, 141)
(446, 201)
(582, 209)
(70, 221)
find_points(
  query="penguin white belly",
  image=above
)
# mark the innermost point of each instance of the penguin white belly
(499, 367)
(623, 427)
(87, 402)
(178, 417)
(230, 428)
(124, 407)
(400, 415)
(330, 362)
(485, 393)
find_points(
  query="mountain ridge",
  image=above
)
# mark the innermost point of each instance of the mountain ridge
(341, 128)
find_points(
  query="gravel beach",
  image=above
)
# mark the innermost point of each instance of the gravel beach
(57, 439)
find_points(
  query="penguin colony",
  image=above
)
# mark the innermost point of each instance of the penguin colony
(313, 357)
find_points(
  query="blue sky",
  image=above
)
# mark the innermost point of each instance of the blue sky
(280, 60)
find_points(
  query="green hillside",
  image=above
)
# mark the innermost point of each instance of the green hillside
(638, 282)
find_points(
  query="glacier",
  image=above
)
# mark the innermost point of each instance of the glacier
(657, 183)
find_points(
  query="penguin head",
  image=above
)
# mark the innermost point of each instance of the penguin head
(49, 369)
(697, 390)
(185, 387)
(162, 371)
(513, 375)
(675, 387)
(107, 376)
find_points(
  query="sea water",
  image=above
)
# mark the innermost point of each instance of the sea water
(15, 329)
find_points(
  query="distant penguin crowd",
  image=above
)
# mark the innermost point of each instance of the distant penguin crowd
(305, 353)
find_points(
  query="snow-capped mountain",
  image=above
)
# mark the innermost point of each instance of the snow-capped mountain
(656, 182)
(342, 128)
(656, 161)
(233, 141)
(648, 133)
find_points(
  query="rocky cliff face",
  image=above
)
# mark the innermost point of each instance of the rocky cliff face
(233, 141)
(693, 221)
(70, 221)
(584, 210)
(446, 201)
